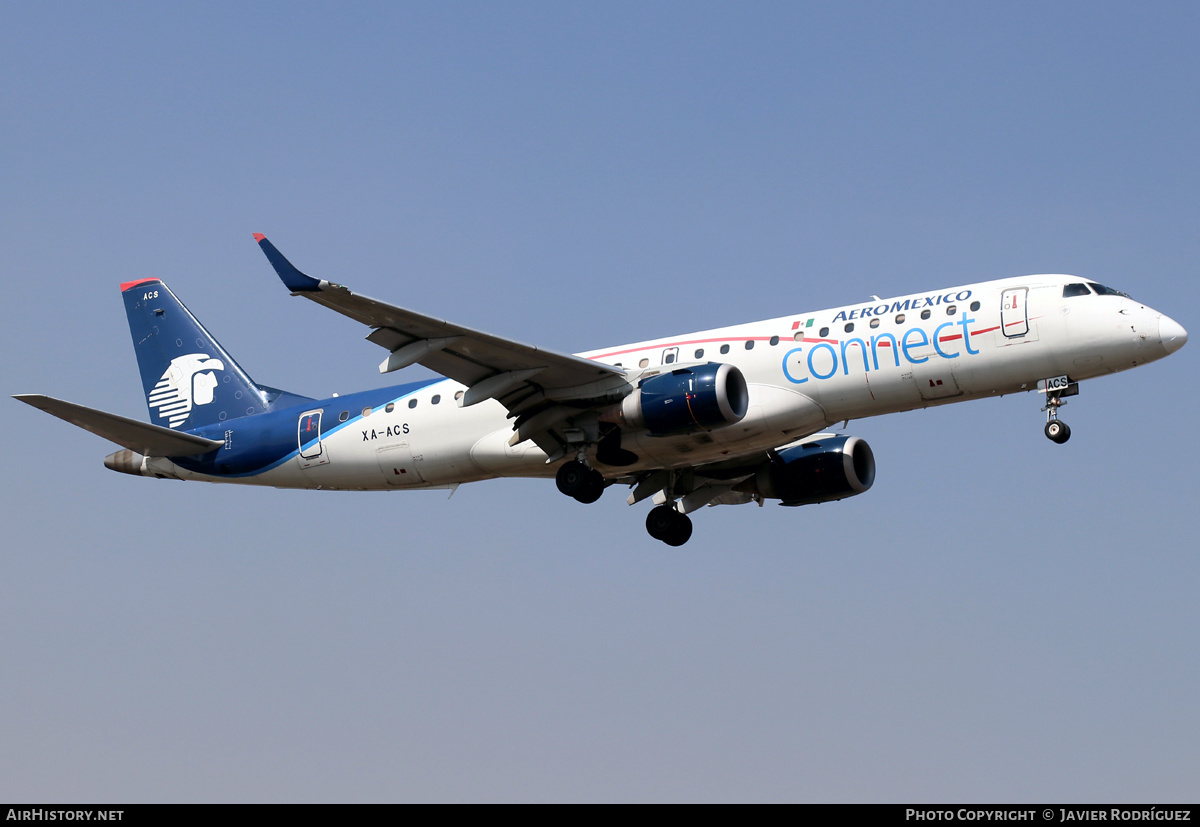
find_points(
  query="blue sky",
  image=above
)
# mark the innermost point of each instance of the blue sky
(998, 619)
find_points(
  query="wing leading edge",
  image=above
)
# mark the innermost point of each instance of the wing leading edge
(521, 377)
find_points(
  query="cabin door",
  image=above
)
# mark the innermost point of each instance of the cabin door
(308, 435)
(1014, 312)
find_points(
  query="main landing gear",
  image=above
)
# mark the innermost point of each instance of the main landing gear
(576, 479)
(668, 520)
(666, 524)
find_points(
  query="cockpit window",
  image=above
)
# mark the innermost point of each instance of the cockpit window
(1106, 291)
(1076, 290)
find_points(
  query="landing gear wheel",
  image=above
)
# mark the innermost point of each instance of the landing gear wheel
(681, 532)
(1057, 431)
(660, 520)
(666, 524)
(577, 480)
(572, 477)
(593, 487)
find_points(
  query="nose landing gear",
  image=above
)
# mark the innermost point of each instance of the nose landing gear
(1055, 389)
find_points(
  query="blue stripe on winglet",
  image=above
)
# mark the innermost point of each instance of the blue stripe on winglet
(292, 278)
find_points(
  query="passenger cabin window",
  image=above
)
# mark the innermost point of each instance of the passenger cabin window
(436, 399)
(644, 363)
(951, 310)
(823, 332)
(1071, 290)
(343, 416)
(749, 344)
(700, 353)
(974, 306)
(924, 314)
(774, 341)
(412, 403)
(799, 336)
(849, 327)
(899, 318)
(669, 358)
(874, 322)
(724, 348)
(391, 406)
(458, 396)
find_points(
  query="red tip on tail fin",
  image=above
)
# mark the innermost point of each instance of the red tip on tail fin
(130, 284)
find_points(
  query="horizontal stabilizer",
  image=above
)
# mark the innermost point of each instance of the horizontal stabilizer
(148, 440)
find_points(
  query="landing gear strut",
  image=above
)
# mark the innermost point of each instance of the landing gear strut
(576, 479)
(666, 524)
(1056, 430)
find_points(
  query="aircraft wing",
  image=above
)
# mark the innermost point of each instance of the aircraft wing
(148, 440)
(518, 375)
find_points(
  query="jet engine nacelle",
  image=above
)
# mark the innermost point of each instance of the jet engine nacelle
(820, 471)
(694, 398)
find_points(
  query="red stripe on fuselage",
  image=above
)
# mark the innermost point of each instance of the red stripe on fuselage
(731, 340)
(681, 344)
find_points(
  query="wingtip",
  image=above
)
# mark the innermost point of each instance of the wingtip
(292, 278)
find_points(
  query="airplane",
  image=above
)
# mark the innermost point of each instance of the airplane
(720, 417)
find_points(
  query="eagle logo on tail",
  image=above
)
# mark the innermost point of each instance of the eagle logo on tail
(188, 381)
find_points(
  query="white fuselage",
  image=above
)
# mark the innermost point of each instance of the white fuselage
(804, 372)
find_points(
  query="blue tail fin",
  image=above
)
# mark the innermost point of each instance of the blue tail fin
(189, 379)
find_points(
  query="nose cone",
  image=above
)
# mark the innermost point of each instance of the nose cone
(1171, 334)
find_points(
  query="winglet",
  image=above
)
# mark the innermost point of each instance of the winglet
(292, 278)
